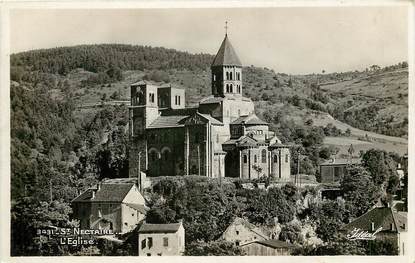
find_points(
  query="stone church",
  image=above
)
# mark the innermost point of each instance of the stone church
(221, 137)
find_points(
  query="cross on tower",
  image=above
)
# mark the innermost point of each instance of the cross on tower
(226, 27)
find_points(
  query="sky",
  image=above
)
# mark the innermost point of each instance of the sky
(294, 40)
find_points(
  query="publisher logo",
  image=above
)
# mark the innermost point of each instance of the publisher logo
(359, 234)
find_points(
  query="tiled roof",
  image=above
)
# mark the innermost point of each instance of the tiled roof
(159, 228)
(243, 141)
(249, 120)
(381, 217)
(274, 243)
(211, 100)
(211, 119)
(342, 161)
(106, 193)
(226, 55)
(168, 121)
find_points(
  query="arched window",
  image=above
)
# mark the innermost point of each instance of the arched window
(275, 158)
(231, 88)
(230, 75)
(245, 159)
(264, 156)
(286, 158)
(227, 87)
(227, 75)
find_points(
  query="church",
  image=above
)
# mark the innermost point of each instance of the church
(222, 137)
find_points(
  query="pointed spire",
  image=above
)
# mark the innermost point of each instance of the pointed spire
(226, 55)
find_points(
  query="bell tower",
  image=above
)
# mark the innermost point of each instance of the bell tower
(226, 70)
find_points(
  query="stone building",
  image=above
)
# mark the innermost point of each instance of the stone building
(240, 231)
(113, 206)
(221, 137)
(161, 239)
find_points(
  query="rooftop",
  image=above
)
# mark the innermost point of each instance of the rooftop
(249, 120)
(212, 99)
(107, 192)
(159, 228)
(226, 55)
(168, 121)
(383, 217)
(274, 243)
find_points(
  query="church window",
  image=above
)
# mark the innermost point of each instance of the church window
(230, 75)
(197, 137)
(275, 158)
(166, 155)
(231, 88)
(179, 100)
(227, 87)
(245, 159)
(227, 75)
(264, 156)
(286, 158)
(255, 158)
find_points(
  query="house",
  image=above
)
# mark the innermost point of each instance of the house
(333, 170)
(114, 206)
(161, 239)
(384, 223)
(272, 247)
(241, 231)
(220, 137)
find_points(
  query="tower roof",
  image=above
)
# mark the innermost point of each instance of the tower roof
(226, 55)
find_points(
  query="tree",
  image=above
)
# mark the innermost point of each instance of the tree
(338, 246)
(291, 233)
(351, 150)
(380, 165)
(28, 216)
(359, 190)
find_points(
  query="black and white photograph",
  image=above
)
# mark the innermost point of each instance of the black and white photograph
(208, 131)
